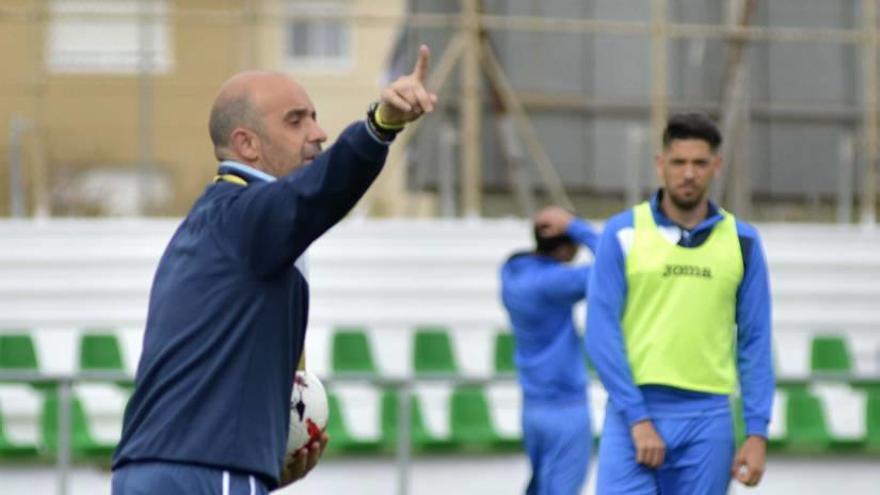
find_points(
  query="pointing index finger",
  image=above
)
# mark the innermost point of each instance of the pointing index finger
(421, 68)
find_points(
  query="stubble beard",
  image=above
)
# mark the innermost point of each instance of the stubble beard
(686, 204)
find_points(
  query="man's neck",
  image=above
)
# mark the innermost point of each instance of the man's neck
(687, 219)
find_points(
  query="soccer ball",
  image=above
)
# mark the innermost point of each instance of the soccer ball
(308, 411)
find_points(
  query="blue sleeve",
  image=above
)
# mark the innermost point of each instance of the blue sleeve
(583, 233)
(604, 336)
(568, 284)
(565, 284)
(754, 352)
(277, 221)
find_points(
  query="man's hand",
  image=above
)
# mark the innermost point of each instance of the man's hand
(296, 466)
(748, 466)
(406, 99)
(650, 448)
(553, 221)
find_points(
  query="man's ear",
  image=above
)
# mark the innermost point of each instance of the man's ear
(659, 161)
(719, 162)
(245, 143)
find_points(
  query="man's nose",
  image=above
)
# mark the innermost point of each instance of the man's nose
(689, 171)
(316, 134)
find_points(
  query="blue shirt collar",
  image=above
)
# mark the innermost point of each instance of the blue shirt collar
(246, 172)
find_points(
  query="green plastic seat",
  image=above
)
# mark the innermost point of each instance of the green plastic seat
(505, 345)
(10, 449)
(829, 354)
(421, 439)
(388, 413)
(872, 418)
(341, 439)
(82, 444)
(471, 422)
(806, 429)
(350, 351)
(432, 352)
(17, 352)
(469, 418)
(100, 352)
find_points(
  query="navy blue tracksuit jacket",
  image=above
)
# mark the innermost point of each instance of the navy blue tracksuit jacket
(228, 311)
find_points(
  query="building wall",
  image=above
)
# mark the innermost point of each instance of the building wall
(93, 120)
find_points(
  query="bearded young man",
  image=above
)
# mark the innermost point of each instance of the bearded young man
(678, 321)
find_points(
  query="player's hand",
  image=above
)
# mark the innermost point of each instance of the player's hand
(298, 465)
(406, 99)
(650, 448)
(748, 466)
(553, 221)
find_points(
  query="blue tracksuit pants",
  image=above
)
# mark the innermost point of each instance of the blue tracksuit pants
(699, 455)
(558, 439)
(170, 478)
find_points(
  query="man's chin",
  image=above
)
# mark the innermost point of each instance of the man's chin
(687, 204)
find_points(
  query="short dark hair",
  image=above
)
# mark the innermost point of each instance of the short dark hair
(546, 245)
(230, 113)
(693, 125)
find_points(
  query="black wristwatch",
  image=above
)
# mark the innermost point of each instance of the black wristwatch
(384, 133)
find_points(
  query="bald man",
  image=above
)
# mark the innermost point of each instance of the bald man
(228, 308)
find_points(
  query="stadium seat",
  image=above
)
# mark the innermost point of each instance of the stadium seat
(421, 437)
(469, 417)
(829, 354)
(504, 350)
(100, 351)
(17, 352)
(432, 352)
(872, 418)
(351, 352)
(82, 443)
(19, 421)
(341, 438)
(471, 421)
(388, 417)
(806, 429)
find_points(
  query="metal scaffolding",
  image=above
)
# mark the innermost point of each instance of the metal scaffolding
(468, 46)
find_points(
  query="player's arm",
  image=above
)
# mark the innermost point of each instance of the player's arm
(754, 358)
(279, 220)
(565, 283)
(605, 345)
(561, 283)
(583, 233)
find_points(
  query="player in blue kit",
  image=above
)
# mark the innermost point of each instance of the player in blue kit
(539, 290)
(678, 320)
(228, 309)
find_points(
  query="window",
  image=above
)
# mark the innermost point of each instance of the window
(108, 36)
(317, 36)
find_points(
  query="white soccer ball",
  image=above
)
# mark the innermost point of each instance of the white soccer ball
(308, 411)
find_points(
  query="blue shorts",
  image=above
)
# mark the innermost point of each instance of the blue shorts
(558, 440)
(699, 456)
(170, 478)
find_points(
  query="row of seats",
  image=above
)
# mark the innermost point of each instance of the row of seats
(98, 351)
(351, 352)
(364, 418)
(812, 415)
(486, 418)
(433, 353)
